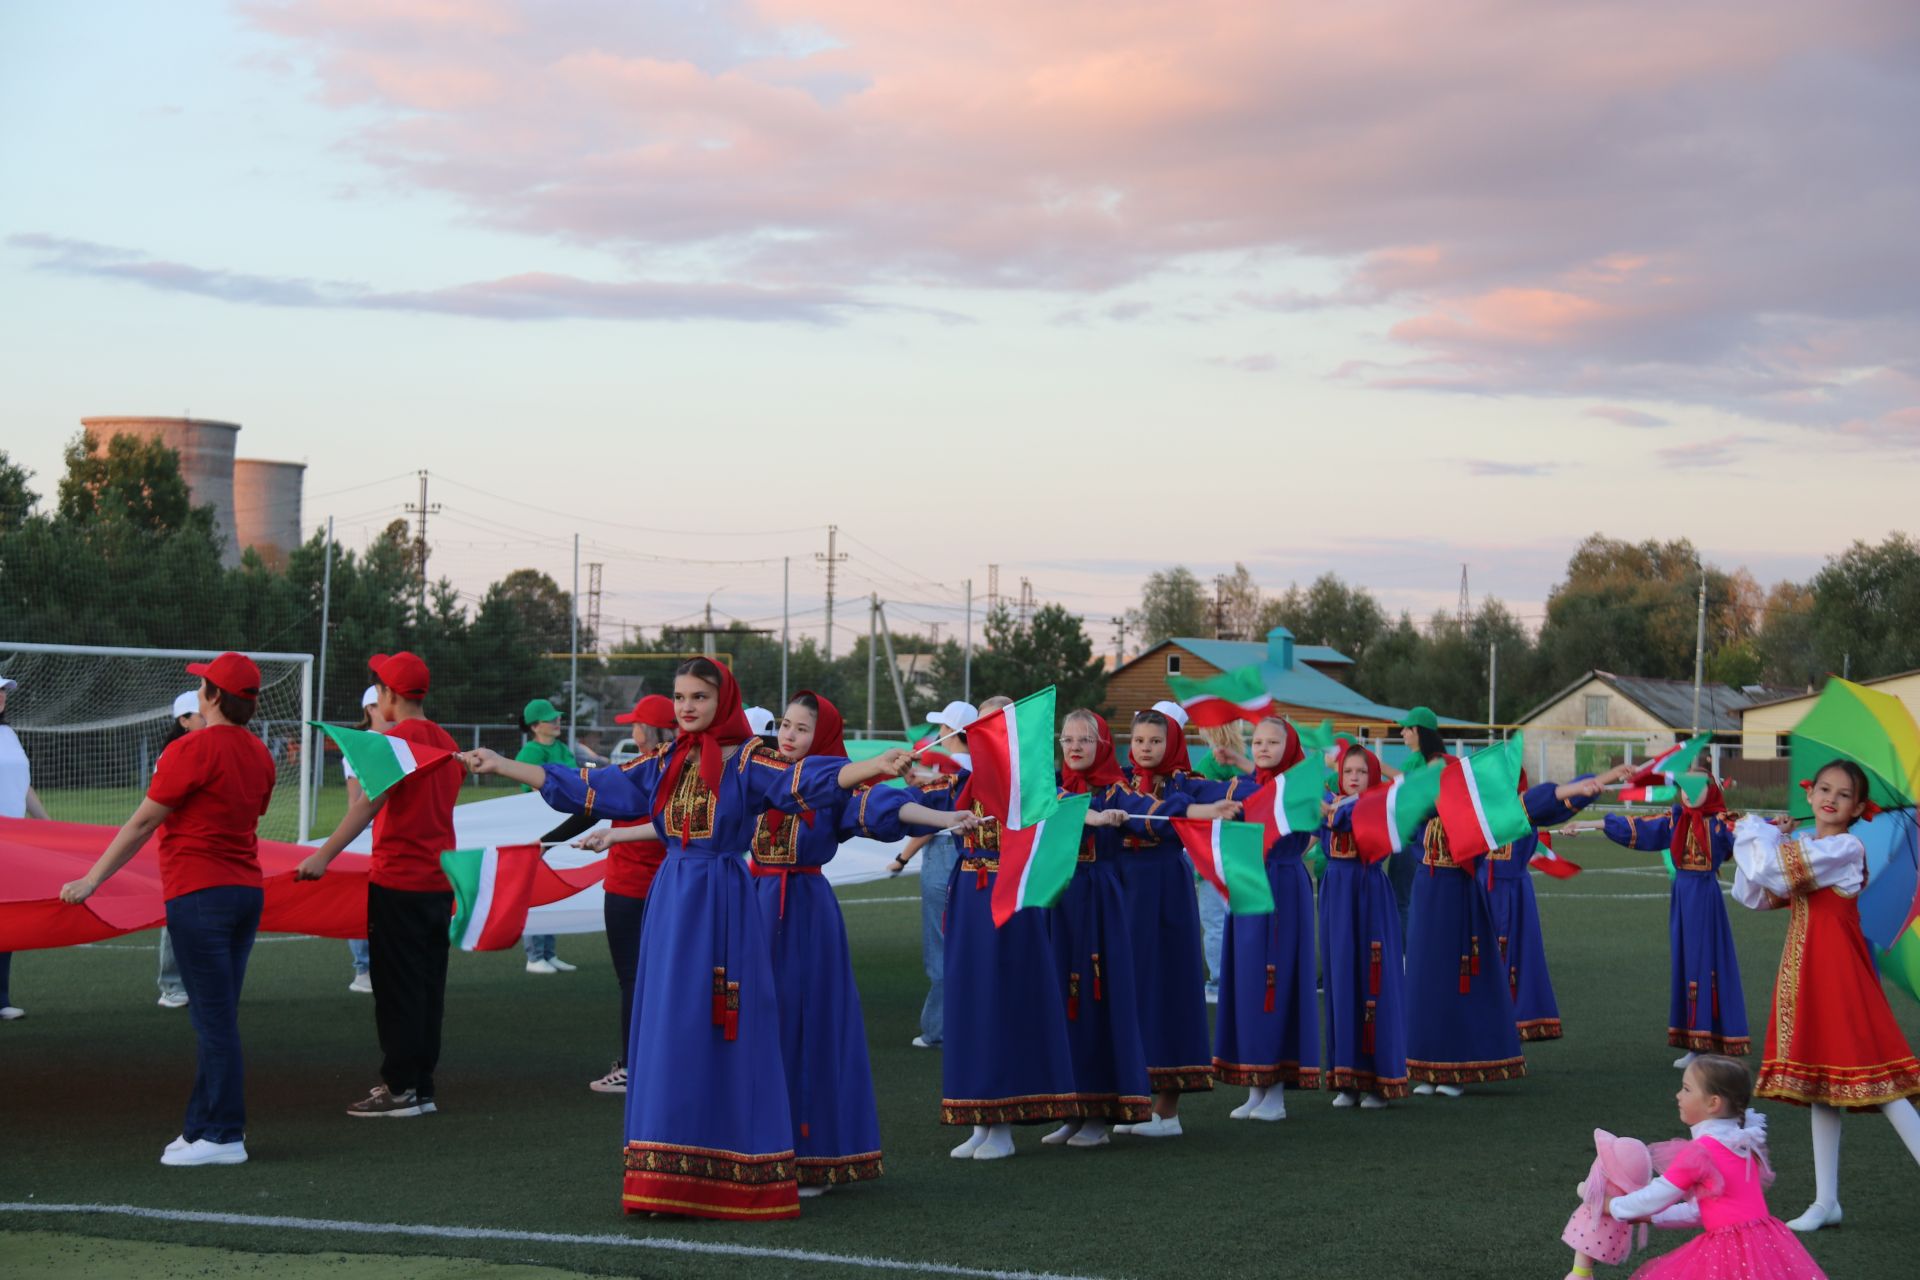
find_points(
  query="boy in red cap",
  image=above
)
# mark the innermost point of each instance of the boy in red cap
(409, 901)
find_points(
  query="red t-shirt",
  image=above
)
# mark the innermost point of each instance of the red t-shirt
(217, 781)
(415, 825)
(632, 866)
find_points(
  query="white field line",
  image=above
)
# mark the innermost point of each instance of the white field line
(426, 1231)
(861, 902)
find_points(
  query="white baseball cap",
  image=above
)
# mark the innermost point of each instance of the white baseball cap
(955, 716)
(1172, 711)
(760, 720)
(370, 697)
(8, 684)
(187, 704)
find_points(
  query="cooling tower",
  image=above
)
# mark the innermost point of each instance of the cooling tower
(206, 461)
(266, 507)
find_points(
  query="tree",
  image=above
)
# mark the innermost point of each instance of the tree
(1785, 643)
(1052, 649)
(1866, 609)
(1330, 612)
(1631, 608)
(16, 499)
(1239, 606)
(1172, 603)
(132, 482)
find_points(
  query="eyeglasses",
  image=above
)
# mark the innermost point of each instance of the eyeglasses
(1079, 742)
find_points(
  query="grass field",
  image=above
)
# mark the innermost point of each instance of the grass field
(92, 1084)
(111, 806)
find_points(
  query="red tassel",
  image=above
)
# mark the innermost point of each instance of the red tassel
(1714, 978)
(1073, 997)
(980, 877)
(805, 1130)
(719, 995)
(1476, 955)
(1096, 976)
(1373, 972)
(733, 1011)
(1466, 967)
(686, 828)
(1366, 1031)
(1693, 1004)
(1268, 1006)
(1503, 948)
(1513, 981)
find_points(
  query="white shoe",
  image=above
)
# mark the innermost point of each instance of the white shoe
(1449, 1090)
(561, 966)
(615, 1081)
(362, 983)
(1060, 1136)
(810, 1191)
(1817, 1216)
(998, 1144)
(966, 1149)
(200, 1151)
(1684, 1061)
(179, 1144)
(1158, 1127)
(1344, 1098)
(921, 1042)
(1423, 1090)
(1372, 1102)
(9, 1012)
(1245, 1109)
(1213, 993)
(172, 1000)
(1092, 1134)
(541, 966)
(1272, 1107)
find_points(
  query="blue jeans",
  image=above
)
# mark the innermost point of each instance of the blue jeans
(1213, 926)
(937, 860)
(539, 946)
(6, 975)
(362, 956)
(212, 931)
(169, 979)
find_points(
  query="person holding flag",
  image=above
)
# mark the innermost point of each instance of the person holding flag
(1267, 1032)
(207, 797)
(409, 899)
(1361, 958)
(540, 722)
(1706, 1004)
(710, 1131)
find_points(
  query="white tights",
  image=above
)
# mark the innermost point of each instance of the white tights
(1826, 1144)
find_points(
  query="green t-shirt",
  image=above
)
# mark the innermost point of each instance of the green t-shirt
(1207, 765)
(558, 752)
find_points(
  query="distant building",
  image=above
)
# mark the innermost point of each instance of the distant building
(1602, 718)
(1765, 724)
(256, 504)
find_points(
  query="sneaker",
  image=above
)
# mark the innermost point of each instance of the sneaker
(1373, 1102)
(172, 1000)
(384, 1102)
(179, 1144)
(615, 1081)
(561, 966)
(1344, 1098)
(1423, 1090)
(541, 966)
(1158, 1127)
(1213, 993)
(9, 1012)
(812, 1190)
(1684, 1061)
(200, 1151)
(1817, 1216)
(921, 1042)
(1449, 1090)
(362, 982)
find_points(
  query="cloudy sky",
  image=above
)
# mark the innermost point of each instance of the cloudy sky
(1080, 289)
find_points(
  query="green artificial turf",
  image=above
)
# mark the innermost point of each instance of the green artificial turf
(93, 1081)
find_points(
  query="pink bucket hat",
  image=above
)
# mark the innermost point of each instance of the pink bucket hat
(1624, 1162)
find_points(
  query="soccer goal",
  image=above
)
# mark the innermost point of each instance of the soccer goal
(93, 719)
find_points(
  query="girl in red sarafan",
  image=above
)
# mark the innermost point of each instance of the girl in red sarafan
(1833, 1044)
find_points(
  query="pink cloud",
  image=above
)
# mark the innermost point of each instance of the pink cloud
(1708, 453)
(1620, 415)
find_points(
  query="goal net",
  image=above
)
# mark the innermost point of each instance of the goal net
(94, 718)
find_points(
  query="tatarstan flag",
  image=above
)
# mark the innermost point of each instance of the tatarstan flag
(1232, 858)
(1691, 786)
(1669, 765)
(1037, 862)
(1012, 751)
(379, 760)
(1480, 807)
(493, 889)
(1386, 818)
(1239, 694)
(1290, 803)
(1546, 861)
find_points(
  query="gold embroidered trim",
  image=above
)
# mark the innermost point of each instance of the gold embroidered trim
(1466, 1072)
(1348, 1080)
(834, 1171)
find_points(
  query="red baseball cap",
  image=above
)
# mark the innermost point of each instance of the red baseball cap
(404, 673)
(232, 673)
(654, 710)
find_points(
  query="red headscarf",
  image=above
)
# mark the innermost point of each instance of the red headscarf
(1290, 755)
(1175, 760)
(1373, 765)
(829, 739)
(1695, 820)
(1105, 770)
(729, 726)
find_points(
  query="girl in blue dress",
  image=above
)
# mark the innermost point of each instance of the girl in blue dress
(1706, 1010)
(1267, 1030)
(1361, 958)
(708, 1126)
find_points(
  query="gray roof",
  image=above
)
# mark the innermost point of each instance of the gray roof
(1671, 701)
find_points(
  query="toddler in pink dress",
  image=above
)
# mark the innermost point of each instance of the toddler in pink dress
(1722, 1173)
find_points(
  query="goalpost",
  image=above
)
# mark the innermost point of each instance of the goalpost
(93, 719)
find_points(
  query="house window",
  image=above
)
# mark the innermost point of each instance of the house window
(1596, 710)
(1173, 664)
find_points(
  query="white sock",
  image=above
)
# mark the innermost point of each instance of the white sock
(1826, 1155)
(1906, 1123)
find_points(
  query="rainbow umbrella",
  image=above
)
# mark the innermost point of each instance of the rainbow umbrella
(1890, 904)
(1872, 729)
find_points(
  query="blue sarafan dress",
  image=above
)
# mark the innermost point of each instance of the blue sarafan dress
(709, 1134)
(1004, 1057)
(1093, 956)
(1516, 917)
(1163, 921)
(1366, 982)
(1707, 1010)
(1267, 1028)
(1461, 1027)
(823, 1037)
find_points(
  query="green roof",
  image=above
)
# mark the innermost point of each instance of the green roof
(1296, 684)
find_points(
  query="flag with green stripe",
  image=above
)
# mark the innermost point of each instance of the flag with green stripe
(1232, 857)
(381, 760)
(1037, 862)
(1240, 694)
(1479, 803)
(1290, 803)
(492, 891)
(1012, 753)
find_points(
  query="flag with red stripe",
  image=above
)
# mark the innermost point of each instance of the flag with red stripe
(1479, 805)
(1387, 817)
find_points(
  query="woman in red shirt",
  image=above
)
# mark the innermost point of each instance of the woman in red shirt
(206, 799)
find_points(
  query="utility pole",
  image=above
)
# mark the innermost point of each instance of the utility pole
(320, 694)
(593, 601)
(573, 648)
(966, 677)
(1465, 607)
(893, 670)
(993, 587)
(1493, 681)
(832, 562)
(1119, 639)
(1219, 606)
(1026, 600)
(422, 509)
(873, 651)
(1700, 649)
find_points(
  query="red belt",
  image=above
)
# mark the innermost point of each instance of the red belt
(761, 870)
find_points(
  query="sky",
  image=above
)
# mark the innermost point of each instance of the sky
(1080, 290)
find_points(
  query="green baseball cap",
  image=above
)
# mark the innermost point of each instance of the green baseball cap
(538, 710)
(1421, 718)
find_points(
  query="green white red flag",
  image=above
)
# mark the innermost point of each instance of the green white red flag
(379, 760)
(1232, 857)
(1546, 861)
(1690, 786)
(1668, 767)
(1387, 817)
(1479, 804)
(1239, 694)
(1290, 803)
(1012, 751)
(493, 889)
(1037, 862)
